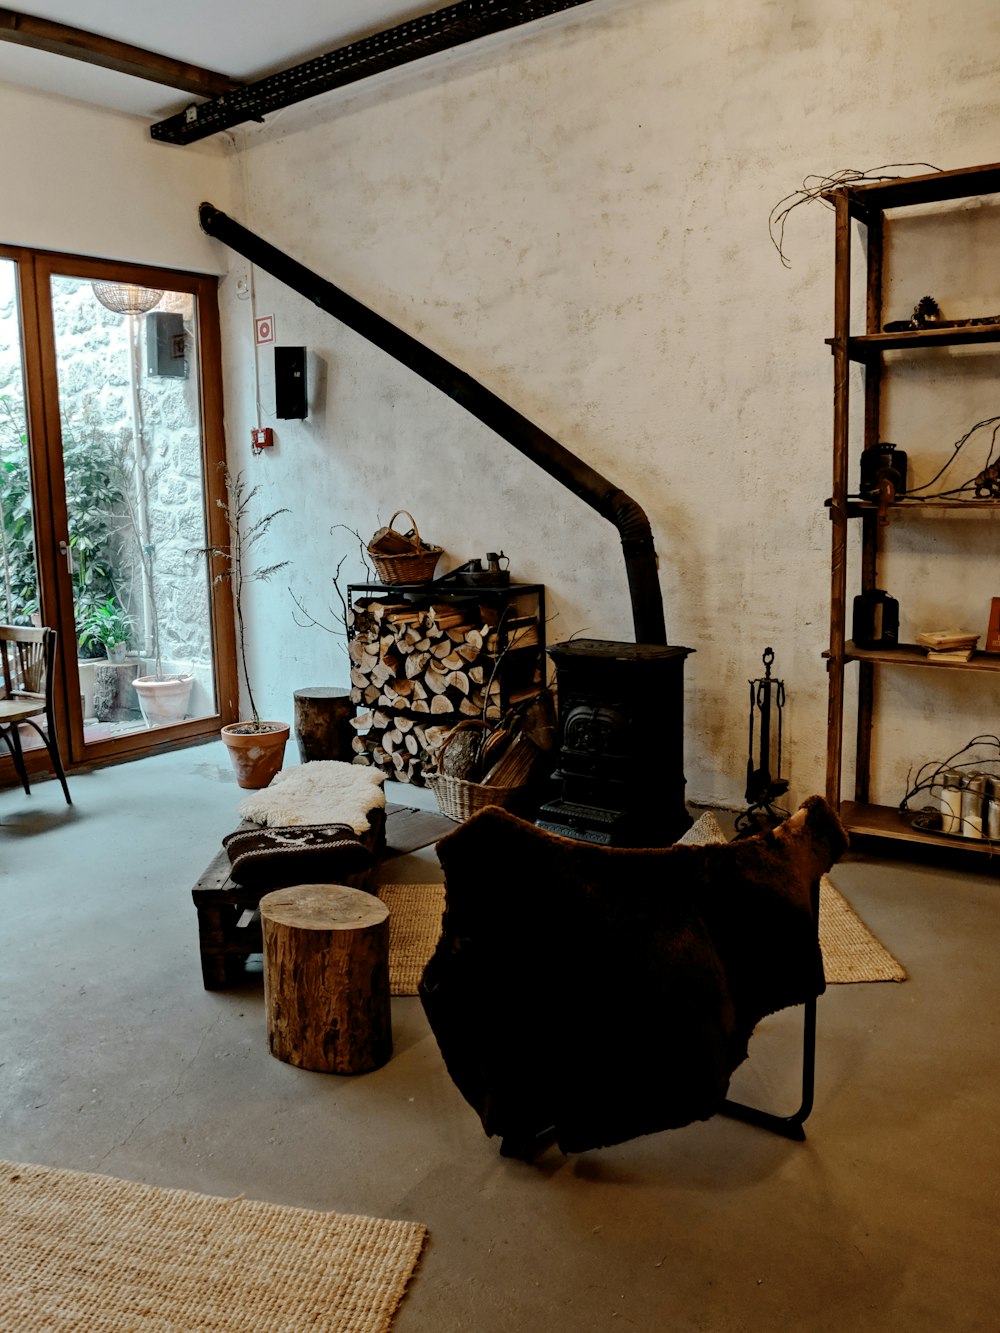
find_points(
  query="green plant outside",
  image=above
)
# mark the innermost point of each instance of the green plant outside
(93, 535)
(106, 625)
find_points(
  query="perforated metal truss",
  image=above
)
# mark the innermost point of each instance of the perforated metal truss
(443, 29)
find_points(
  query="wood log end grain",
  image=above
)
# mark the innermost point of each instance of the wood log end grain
(326, 978)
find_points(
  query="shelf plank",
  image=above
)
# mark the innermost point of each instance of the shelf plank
(930, 188)
(857, 508)
(865, 347)
(912, 655)
(885, 821)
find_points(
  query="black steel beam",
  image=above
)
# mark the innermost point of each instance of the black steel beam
(438, 31)
(596, 491)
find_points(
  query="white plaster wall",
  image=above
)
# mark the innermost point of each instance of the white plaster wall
(577, 215)
(85, 181)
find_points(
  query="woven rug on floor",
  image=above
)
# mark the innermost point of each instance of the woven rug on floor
(415, 912)
(84, 1251)
(851, 953)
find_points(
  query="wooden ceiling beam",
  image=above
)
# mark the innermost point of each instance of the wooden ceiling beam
(61, 40)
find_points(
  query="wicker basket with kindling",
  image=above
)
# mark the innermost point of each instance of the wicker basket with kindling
(403, 557)
(502, 783)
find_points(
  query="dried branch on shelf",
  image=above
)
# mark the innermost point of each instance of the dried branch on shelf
(816, 186)
(980, 756)
(985, 484)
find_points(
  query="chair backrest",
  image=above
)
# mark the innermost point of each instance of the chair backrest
(28, 654)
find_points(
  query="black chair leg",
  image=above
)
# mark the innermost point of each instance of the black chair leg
(790, 1126)
(12, 740)
(52, 745)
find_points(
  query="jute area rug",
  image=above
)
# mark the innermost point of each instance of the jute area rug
(85, 1252)
(851, 953)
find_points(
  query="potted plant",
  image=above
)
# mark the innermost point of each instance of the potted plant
(256, 748)
(110, 626)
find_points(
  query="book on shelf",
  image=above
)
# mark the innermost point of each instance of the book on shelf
(949, 654)
(948, 641)
(992, 644)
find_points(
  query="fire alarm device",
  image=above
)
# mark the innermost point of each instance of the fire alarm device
(262, 437)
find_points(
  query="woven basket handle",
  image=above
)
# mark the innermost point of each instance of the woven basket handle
(466, 722)
(413, 524)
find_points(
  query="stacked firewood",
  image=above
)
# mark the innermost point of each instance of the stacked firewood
(415, 673)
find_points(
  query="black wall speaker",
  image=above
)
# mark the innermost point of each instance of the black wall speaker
(290, 389)
(165, 351)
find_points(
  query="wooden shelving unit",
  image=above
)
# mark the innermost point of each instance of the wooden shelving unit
(868, 204)
(886, 822)
(912, 655)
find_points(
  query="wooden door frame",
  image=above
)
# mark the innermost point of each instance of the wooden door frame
(35, 270)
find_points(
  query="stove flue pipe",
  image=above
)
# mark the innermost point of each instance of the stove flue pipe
(595, 490)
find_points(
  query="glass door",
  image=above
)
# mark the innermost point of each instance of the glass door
(126, 360)
(20, 601)
(111, 496)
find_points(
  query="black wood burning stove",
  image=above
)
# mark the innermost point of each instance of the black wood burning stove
(620, 773)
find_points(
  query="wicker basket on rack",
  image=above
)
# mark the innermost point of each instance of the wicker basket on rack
(402, 557)
(458, 798)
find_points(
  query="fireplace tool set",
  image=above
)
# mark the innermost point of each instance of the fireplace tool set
(767, 702)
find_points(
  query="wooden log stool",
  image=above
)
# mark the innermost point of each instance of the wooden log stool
(322, 723)
(326, 978)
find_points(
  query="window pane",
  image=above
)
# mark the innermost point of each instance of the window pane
(18, 572)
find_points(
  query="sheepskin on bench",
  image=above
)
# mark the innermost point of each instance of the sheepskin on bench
(325, 791)
(611, 992)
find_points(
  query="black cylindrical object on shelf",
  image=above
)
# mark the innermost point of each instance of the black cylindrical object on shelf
(883, 461)
(876, 620)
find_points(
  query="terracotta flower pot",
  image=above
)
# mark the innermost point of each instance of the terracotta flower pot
(163, 701)
(256, 755)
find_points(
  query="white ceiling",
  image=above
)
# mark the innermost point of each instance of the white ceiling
(244, 39)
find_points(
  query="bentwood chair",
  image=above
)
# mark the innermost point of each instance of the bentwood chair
(28, 657)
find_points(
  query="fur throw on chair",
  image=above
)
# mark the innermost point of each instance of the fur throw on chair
(602, 993)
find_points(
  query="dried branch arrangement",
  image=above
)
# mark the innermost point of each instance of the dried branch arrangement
(815, 187)
(339, 628)
(983, 485)
(237, 561)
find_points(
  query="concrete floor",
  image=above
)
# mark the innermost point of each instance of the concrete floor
(114, 1059)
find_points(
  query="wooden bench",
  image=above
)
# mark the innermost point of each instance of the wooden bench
(229, 929)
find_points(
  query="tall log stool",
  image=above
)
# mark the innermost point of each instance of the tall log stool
(326, 978)
(323, 723)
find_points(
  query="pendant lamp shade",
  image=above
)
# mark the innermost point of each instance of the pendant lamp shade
(126, 298)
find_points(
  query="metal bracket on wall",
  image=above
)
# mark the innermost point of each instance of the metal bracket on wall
(439, 31)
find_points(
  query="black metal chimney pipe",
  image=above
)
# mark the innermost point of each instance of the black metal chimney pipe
(595, 490)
